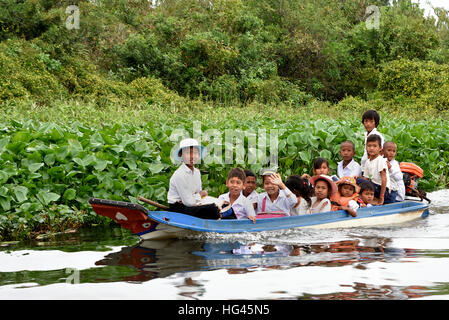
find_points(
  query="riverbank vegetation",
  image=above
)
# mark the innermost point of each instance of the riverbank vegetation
(92, 111)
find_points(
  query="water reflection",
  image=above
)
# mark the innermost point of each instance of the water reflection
(373, 292)
(159, 259)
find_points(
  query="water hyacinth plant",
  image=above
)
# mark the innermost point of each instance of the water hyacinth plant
(48, 171)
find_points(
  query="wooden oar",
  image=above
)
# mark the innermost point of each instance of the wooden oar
(154, 203)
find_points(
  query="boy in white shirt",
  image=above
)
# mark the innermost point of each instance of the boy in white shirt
(348, 167)
(242, 207)
(185, 191)
(370, 120)
(249, 187)
(396, 177)
(376, 170)
(277, 197)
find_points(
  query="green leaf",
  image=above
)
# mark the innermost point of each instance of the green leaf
(4, 191)
(33, 167)
(100, 165)
(16, 147)
(46, 197)
(326, 154)
(21, 193)
(3, 143)
(5, 203)
(56, 172)
(69, 194)
(86, 161)
(3, 176)
(156, 167)
(49, 159)
(293, 138)
(75, 147)
(305, 156)
(21, 136)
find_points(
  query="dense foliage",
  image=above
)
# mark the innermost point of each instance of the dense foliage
(230, 51)
(48, 172)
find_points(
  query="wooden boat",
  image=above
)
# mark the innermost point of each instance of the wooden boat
(154, 225)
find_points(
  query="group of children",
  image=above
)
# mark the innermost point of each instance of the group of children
(378, 180)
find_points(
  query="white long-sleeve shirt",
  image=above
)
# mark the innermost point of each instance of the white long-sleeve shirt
(397, 180)
(185, 186)
(242, 206)
(283, 203)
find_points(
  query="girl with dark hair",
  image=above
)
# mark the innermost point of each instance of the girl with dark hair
(303, 191)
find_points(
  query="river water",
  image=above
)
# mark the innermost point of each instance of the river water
(408, 261)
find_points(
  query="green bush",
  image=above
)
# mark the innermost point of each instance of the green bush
(27, 72)
(412, 78)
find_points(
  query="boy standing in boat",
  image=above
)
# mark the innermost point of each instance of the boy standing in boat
(376, 170)
(185, 191)
(370, 120)
(397, 180)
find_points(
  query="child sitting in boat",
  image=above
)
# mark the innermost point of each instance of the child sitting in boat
(241, 206)
(396, 177)
(277, 198)
(302, 190)
(249, 187)
(320, 166)
(324, 188)
(348, 167)
(366, 194)
(346, 196)
(185, 191)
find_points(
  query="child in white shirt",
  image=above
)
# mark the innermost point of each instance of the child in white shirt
(370, 120)
(376, 170)
(348, 167)
(303, 191)
(241, 206)
(396, 177)
(277, 198)
(249, 187)
(324, 188)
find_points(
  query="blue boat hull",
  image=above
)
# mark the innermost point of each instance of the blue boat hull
(153, 225)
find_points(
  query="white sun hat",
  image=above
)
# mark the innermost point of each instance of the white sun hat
(186, 143)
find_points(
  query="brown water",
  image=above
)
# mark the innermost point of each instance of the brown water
(408, 261)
